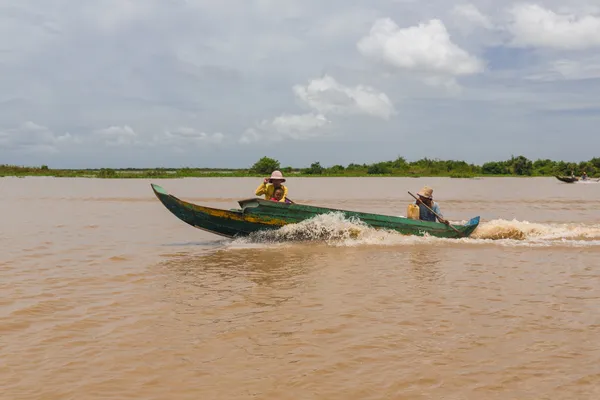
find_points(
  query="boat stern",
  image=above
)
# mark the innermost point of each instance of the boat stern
(468, 228)
(473, 221)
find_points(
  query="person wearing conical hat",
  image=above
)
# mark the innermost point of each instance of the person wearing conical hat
(584, 176)
(426, 199)
(268, 186)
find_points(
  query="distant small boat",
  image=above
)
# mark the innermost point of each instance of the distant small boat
(257, 214)
(574, 179)
(567, 179)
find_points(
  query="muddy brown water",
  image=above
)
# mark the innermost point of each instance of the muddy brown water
(106, 295)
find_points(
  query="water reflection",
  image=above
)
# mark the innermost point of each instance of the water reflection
(262, 266)
(241, 278)
(425, 263)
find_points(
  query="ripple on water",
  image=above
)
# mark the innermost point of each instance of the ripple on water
(117, 299)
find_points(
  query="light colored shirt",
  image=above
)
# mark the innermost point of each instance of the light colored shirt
(426, 215)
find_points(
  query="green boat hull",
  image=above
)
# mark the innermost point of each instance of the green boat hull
(259, 215)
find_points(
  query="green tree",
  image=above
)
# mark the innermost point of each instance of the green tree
(572, 167)
(428, 166)
(521, 165)
(378, 169)
(155, 173)
(588, 167)
(315, 169)
(336, 169)
(184, 172)
(543, 167)
(457, 166)
(399, 163)
(265, 166)
(355, 167)
(107, 173)
(494, 168)
(561, 168)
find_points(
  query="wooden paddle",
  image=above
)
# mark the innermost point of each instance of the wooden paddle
(434, 213)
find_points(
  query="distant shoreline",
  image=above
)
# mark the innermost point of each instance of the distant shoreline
(515, 167)
(175, 174)
(260, 177)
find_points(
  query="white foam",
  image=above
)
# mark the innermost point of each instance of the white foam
(336, 230)
(524, 230)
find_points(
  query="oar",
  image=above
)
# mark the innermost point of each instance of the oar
(434, 213)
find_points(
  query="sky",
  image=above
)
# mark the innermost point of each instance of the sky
(199, 83)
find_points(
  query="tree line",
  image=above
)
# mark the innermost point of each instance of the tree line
(515, 166)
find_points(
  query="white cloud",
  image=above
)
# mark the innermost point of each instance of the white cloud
(124, 130)
(292, 126)
(30, 137)
(344, 24)
(446, 82)
(109, 15)
(327, 96)
(284, 9)
(157, 65)
(472, 14)
(568, 70)
(535, 26)
(179, 138)
(117, 135)
(186, 136)
(251, 135)
(423, 48)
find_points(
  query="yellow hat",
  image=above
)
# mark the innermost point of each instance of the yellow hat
(426, 192)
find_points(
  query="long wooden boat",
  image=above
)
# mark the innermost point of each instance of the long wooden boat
(257, 214)
(567, 179)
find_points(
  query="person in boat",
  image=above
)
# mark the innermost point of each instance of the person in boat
(278, 195)
(426, 199)
(267, 188)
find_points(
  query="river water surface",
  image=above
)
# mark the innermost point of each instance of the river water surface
(106, 295)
